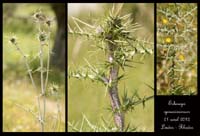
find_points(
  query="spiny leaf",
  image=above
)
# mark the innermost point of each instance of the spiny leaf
(149, 86)
(80, 21)
(90, 66)
(126, 129)
(132, 129)
(120, 77)
(77, 25)
(129, 66)
(118, 8)
(143, 102)
(70, 30)
(136, 94)
(126, 16)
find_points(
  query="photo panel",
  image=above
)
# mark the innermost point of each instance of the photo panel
(176, 48)
(33, 47)
(176, 65)
(111, 67)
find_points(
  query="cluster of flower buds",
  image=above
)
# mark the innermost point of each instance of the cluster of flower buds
(42, 18)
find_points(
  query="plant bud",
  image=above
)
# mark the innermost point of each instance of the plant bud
(40, 17)
(42, 36)
(48, 22)
(13, 40)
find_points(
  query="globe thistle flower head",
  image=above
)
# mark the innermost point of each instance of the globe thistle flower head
(42, 37)
(53, 89)
(39, 17)
(49, 21)
(13, 40)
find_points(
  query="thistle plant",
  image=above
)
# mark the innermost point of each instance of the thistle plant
(43, 25)
(177, 48)
(113, 36)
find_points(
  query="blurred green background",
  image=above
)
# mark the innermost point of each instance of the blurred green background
(17, 88)
(88, 98)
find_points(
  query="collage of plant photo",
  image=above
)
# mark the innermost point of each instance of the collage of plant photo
(33, 67)
(95, 67)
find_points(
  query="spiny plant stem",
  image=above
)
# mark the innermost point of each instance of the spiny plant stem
(39, 109)
(41, 72)
(44, 110)
(42, 85)
(27, 65)
(48, 61)
(31, 77)
(47, 75)
(26, 109)
(58, 117)
(172, 72)
(113, 89)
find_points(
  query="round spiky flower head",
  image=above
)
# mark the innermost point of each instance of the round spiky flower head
(42, 36)
(53, 89)
(49, 21)
(40, 17)
(13, 40)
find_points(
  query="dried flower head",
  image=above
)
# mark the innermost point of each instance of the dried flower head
(53, 88)
(13, 40)
(40, 17)
(42, 36)
(49, 21)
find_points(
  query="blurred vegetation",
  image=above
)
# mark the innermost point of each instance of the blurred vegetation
(88, 98)
(176, 49)
(17, 88)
